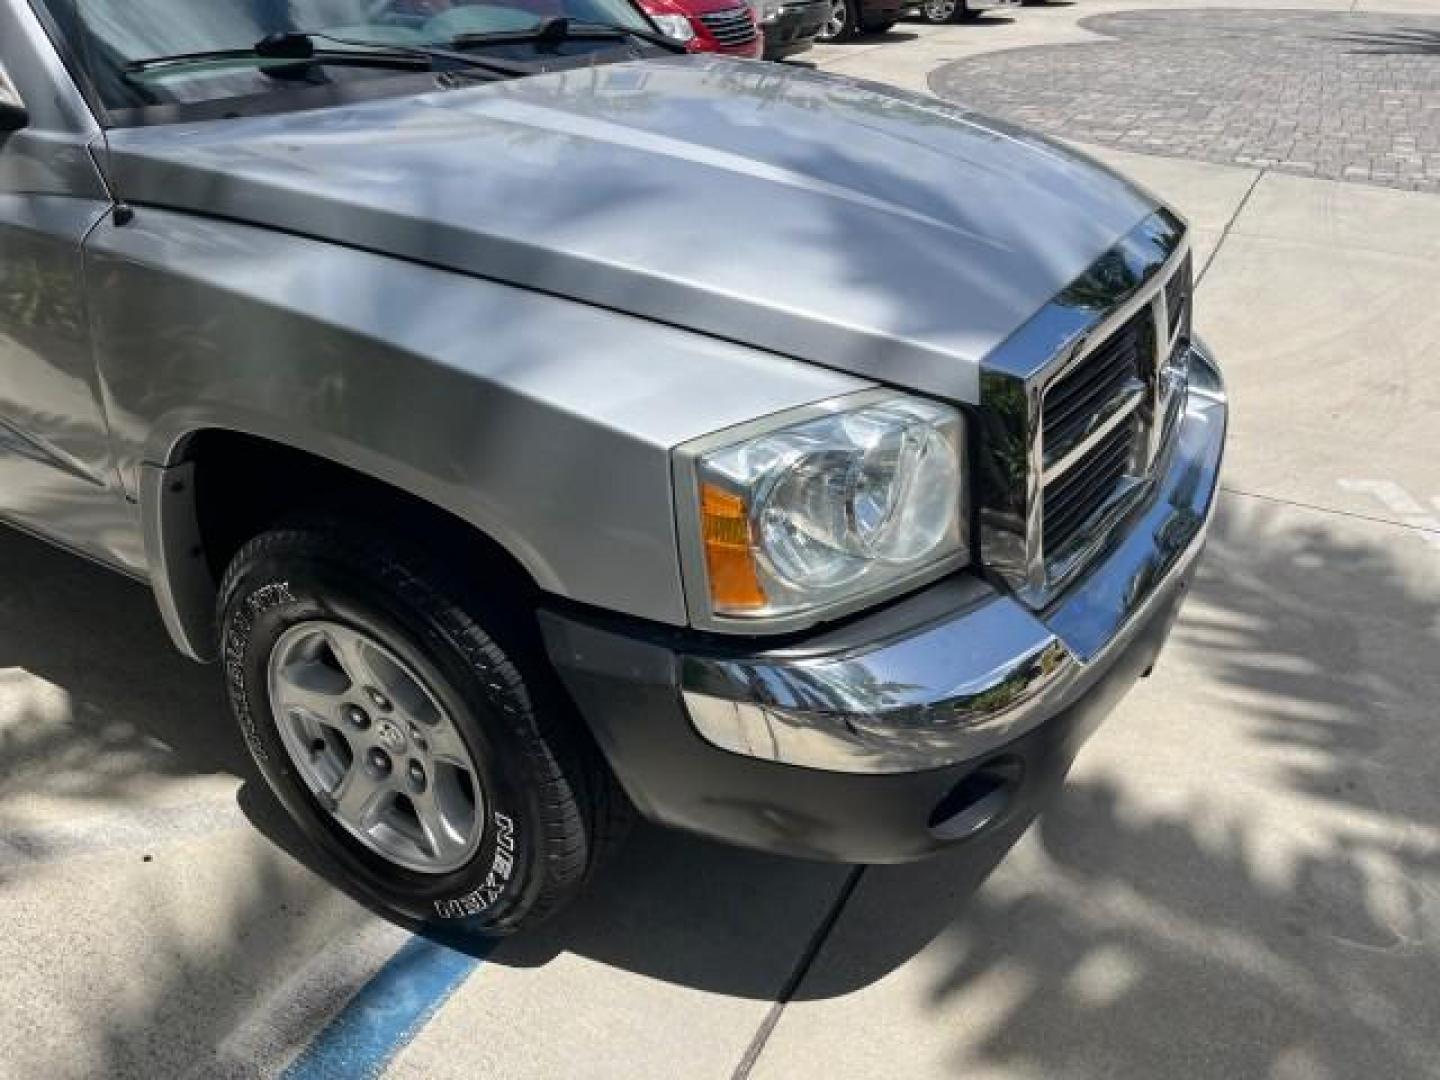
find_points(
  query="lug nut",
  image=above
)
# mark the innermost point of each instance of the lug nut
(357, 717)
(417, 777)
(379, 761)
(379, 700)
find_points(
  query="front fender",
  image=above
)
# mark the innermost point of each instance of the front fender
(545, 423)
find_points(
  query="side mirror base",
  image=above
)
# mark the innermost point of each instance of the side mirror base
(13, 117)
(13, 114)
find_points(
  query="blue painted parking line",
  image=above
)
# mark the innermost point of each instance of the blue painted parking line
(388, 1012)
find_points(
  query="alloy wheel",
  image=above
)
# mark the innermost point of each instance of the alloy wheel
(835, 25)
(373, 744)
(938, 11)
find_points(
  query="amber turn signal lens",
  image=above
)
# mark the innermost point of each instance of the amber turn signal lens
(729, 555)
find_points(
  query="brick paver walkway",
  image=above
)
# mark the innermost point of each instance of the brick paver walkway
(1344, 96)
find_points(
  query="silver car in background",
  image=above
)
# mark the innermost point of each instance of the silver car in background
(538, 426)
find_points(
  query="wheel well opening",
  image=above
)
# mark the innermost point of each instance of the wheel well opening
(245, 485)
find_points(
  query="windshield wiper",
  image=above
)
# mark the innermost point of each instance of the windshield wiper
(300, 47)
(562, 28)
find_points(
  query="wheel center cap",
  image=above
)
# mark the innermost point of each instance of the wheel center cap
(391, 736)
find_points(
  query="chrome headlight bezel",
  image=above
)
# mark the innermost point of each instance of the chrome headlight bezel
(689, 464)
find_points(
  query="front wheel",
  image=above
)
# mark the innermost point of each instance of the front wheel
(842, 22)
(408, 726)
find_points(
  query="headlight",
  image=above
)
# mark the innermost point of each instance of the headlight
(675, 26)
(865, 497)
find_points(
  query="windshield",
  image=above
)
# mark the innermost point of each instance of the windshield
(111, 38)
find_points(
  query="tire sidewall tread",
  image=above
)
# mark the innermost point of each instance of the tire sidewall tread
(539, 789)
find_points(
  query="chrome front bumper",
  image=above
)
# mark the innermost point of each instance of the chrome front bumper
(973, 682)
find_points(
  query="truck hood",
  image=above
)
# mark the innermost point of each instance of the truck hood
(884, 234)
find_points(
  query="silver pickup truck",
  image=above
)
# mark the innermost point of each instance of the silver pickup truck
(539, 426)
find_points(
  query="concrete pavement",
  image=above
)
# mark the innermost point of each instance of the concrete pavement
(1242, 878)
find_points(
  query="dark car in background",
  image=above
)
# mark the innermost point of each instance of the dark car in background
(714, 26)
(847, 19)
(790, 26)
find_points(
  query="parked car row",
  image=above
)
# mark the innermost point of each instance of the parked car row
(773, 29)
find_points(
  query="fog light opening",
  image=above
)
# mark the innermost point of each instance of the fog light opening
(978, 801)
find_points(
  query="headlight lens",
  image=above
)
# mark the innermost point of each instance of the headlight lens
(675, 26)
(832, 507)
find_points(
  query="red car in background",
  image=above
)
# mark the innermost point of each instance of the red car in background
(718, 26)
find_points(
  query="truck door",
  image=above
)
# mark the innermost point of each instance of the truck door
(56, 472)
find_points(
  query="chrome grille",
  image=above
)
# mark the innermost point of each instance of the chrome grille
(1095, 429)
(1076, 407)
(1071, 500)
(1079, 401)
(1098, 422)
(734, 26)
(1092, 425)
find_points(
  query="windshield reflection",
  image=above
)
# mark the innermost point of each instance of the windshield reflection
(118, 33)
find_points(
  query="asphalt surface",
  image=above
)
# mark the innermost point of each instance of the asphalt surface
(1241, 879)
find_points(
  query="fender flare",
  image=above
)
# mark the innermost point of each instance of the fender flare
(185, 590)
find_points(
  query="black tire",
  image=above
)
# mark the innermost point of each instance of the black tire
(880, 26)
(551, 807)
(849, 23)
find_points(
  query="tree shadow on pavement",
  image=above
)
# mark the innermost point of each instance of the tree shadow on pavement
(1245, 881)
(144, 920)
(97, 701)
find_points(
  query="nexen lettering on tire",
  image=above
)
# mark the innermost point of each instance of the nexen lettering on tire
(501, 868)
(263, 598)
